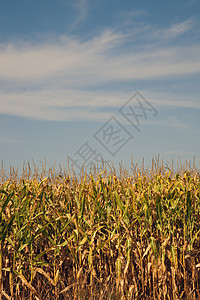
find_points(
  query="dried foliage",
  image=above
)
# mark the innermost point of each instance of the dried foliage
(101, 237)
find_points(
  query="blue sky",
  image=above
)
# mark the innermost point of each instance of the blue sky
(67, 67)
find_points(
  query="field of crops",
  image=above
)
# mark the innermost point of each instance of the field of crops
(106, 236)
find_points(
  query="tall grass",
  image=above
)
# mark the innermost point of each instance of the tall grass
(105, 236)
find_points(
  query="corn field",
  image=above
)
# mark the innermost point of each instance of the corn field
(102, 236)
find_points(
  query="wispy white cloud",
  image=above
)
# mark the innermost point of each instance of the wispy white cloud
(95, 61)
(175, 30)
(180, 28)
(58, 105)
(169, 99)
(58, 78)
(81, 8)
(72, 105)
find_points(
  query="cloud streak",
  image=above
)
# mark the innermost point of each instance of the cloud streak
(73, 105)
(62, 78)
(95, 61)
(81, 7)
(175, 30)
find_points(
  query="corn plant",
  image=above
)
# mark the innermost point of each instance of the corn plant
(103, 236)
